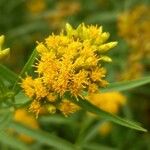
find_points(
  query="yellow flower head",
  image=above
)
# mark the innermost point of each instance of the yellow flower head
(109, 102)
(69, 62)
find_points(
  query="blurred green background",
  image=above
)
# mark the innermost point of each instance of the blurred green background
(24, 22)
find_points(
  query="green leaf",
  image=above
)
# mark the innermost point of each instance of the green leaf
(43, 137)
(25, 69)
(12, 141)
(7, 74)
(126, 85)
(85, 104)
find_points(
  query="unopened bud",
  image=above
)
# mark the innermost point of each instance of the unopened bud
(4, 53)
(107, 46)
(106, 59)
(51, 109)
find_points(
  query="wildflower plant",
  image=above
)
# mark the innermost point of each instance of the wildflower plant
(60, 74)
(68, 63)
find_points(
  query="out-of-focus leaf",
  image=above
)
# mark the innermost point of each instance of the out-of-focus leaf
(102, 17)
(86, 122)
(92, 131)
(95, 146)
(43, 137)
(26, 29)
(5, 120)
(12, 141)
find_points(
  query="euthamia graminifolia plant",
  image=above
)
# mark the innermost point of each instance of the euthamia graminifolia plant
(68, 63)
(68, 67)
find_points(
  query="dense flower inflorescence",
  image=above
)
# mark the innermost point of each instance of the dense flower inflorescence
(68, 63)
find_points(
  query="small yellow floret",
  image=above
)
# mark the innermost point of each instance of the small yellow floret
(27, 85)
(67, 107)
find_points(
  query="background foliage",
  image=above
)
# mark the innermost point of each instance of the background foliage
(24, 22)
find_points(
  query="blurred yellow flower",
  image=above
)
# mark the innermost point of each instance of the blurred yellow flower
(25, 118)
(105, 128)
(110, 101)
(69, 62)
(134, 26)
(36, 6)
(56, 18)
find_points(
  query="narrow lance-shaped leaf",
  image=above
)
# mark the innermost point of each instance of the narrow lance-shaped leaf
(43, 137)
(25, 69)
(126, 85)
(85, 104)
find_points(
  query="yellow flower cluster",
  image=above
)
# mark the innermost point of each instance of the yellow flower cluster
(69, 62)
(23, 117)
(3, 53)
(134, 26)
